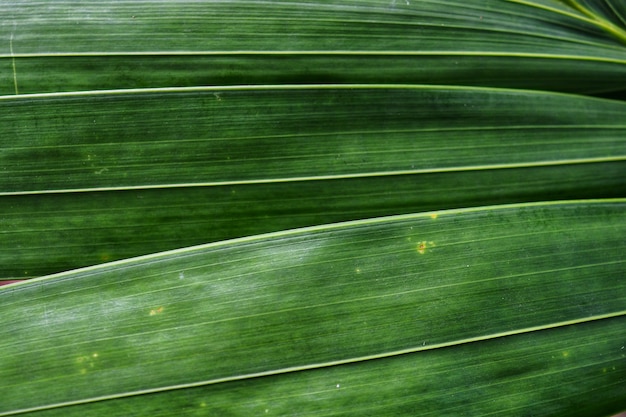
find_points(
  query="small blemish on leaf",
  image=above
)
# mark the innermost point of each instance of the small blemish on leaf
(156, 311)
(87, 362)
(421, 248)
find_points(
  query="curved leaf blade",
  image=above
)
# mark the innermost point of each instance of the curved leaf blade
(72, 230)
(249, 160)
(513, 376)
(329, 295)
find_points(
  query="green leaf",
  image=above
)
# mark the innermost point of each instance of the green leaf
(78, 45)
(80, 229)
(130, 128)
(103, 176)
(505, 306)
(218, 136)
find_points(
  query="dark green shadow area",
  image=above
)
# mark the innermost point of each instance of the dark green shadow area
(48, 74)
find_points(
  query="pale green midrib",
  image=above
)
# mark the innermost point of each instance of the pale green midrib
(322, 228)
(323, 364)
(620, 158)
(585, 15)
(278, 87)
(256, 53)
(598, 21)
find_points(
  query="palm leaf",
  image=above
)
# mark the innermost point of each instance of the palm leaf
(131, 128)
(374, 301)
(78, 45)
(248, 160)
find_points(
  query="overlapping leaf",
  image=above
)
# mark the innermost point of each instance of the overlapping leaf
(155, 170)
(342, 297)
(362, 109)
(78, 45)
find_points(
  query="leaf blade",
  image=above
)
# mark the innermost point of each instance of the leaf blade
(515, 44)
(399, 287)
(149, 154)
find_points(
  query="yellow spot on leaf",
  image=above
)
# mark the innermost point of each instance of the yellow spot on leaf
(156, 311)
(434, 216)
(424, 245)
(86, 362)
(421, 247)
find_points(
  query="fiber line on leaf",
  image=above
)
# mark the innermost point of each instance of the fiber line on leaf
(418, 348)
(308, 53)
(324, 227)
(619, 158)
(604, 24)
(587, 16)
(13, 64)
